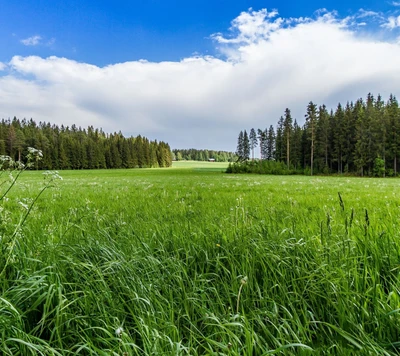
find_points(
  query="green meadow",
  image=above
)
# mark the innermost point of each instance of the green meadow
(191, 261)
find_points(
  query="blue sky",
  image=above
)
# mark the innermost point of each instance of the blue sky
(104, 32)
(193, 73)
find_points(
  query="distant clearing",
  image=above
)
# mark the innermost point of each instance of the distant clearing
(218, 166)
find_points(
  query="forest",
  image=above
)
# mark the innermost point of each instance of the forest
(193, 154)
(361, 138)
(77, 148)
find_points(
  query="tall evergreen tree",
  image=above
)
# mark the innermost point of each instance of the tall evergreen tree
(296, 146)
(287, 130)
(311, 123)
(246, 146)
(338, 137)
(240, 147)
(361, 149)
(393, 118)
(379, 129)
(322, 143)
(261, 139)
(271, 139)
(253, 141)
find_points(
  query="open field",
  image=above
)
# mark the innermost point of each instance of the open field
(212, 166)
(197, 262)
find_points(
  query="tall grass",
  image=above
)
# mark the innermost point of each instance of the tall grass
(201, 263)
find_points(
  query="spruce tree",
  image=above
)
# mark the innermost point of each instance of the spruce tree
(361, 149)
(261, 140)
(393, 117)
(287, 130)
(311, 121)
(253, 142)
(279, 145)
(246, 146)
(322, 144)
(240, 147)
(271, 141)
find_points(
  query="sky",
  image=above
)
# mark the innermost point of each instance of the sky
(192, 73)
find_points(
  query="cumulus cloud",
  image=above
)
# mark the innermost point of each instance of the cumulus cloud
(250, 26)
(392, 22)
(266, 63)
(31, 41)
(367, 13)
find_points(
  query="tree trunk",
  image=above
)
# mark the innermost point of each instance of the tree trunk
(288, 150)
(312, 156)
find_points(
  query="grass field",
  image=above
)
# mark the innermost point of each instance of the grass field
(211, 166)
(191, 261)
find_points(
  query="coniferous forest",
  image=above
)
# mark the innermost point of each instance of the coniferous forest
(193, 154)
(77, 148)
(361, 138)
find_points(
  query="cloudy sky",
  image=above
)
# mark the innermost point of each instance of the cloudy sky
(192, 73)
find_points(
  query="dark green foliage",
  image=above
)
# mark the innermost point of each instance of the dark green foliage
(379, 167)
(361, 138)
(193, 154)
(287, 133)
(253, 142)
(246, 146)
(311, 119)
(262, 167)
(77, 148)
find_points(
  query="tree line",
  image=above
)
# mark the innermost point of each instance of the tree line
(193, 154)
(361, 137)
(77, 148)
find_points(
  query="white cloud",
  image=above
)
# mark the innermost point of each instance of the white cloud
(32, 41)
(272, 63)
(366, 13)
(251, 26)
(392, 22)
(3, 66)
(396, 3)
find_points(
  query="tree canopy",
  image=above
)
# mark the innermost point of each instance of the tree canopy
(361, 137)
(77, 148)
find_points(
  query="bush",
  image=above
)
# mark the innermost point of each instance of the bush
(261, 167)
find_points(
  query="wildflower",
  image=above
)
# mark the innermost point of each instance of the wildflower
(119, 331)
(25, 206)
(218, 245)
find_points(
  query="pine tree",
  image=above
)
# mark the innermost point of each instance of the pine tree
(253, 142)
(279, 144)
(296, 146)
(271, 143)
(240, 147)
(322, 133)
(246, 146)
(261, 140)
(380, 131)
(361, 149)
(287, 130)
(338, 137)
(311, 122)
(393, 117)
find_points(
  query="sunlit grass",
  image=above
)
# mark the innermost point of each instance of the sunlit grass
(217, 166)
(196, 262)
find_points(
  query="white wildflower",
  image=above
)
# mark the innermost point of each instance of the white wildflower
(119, 331)
(25, 206)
